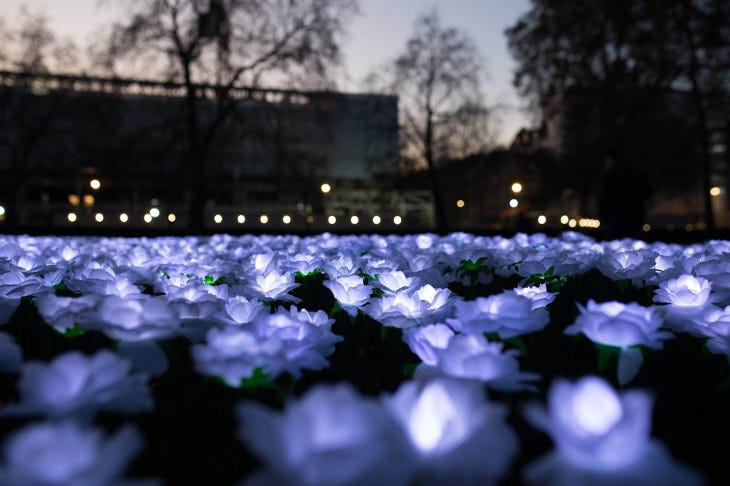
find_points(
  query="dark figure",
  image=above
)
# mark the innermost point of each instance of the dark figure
(622, 199)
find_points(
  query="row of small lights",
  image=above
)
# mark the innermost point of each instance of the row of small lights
(218, 219)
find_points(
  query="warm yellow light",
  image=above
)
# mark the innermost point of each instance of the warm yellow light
(331, 220)
(264, 219)
(646, 228)
(572, 223)
(154, 212)
(88, 200)
(2, 211)
(218, 219)
(325, 188)
(513, 203)
(715, 191)
(286, 219)
(71, 217)
(73, 199)
(123, 217)
(354, 220)
(460, 203)
(564, 219)
(95, 184)
(171, 217)
(241, 219)
(99, 217)
(376, 219)
(542, 219)
(310, 219)
(397, 220)
(516, 187)
(147, 218)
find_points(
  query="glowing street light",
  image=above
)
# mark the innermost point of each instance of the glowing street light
(354, 220)
(171, 217)
(154, 212)
(542, 219)
(564, 219)
(513, 203)
(460, 203)
(95, 184)
(516, 187)
(218, 219)
(73, 199)
(376, 219)
(99, 217)
(2, 211)
(325, 188)
(124, 217)
(715, 191)
(241, 219)
(332, 220)
(286, 219)
(88, 200)
(71, 217)
(264, 219)
(397, 220)
(147, 218)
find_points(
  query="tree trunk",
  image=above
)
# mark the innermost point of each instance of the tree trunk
(441, 222)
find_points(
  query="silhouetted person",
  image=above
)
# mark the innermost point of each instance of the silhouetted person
(622, 198)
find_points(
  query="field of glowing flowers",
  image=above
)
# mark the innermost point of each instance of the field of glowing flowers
(348, 360)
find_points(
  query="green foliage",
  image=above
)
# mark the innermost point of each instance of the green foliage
(553, 282)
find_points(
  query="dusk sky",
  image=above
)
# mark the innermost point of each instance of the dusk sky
(377, 35)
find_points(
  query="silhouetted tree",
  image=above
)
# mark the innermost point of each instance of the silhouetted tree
(618, 71)
(442, 113)
(27, 119)
(226, 43)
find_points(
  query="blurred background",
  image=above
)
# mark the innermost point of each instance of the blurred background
(201, 116)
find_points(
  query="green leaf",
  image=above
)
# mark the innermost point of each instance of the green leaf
(409, 368)
(519, 343)
(256, 380)
(73, 332)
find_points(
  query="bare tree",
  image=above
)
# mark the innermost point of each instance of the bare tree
(26, 119)
(226, 43)
(442, 114)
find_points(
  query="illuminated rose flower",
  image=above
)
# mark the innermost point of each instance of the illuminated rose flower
(684, 291)
(77, 385)
(507, 314)
(457, 435)
(627, 264)
(473, 357)
(350, 292)
(239, 310)
(284, 342)
(539, 296)
(64, 313)
(275, 286)
(394, 281)
(424, 340)
(197, 302)
(11, 356)
(67, 454)
(625, 326)
(601, 437)
(408, 308)
(134, 319)
(330, 436)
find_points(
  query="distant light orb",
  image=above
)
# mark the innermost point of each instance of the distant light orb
(332, 220)
(171, 217)
(155, 202)
(397, 220)
(310, 219)
(241, 219)
(95, 184)
(286, 219)
(147, 218)
(376, 219)
(154, 212)
(542, 219)
(218, 219)
(516, 187)
(264, 219)
(564, 219)
(460, 203)
(513, 203)
(88, 200)
(73, 200)
(123, 217)
(354, 220)
(99, 217)
(2, 211)
(572, 223)
(715, 191)
(646, 227)
(325, 188)
(71, 217)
